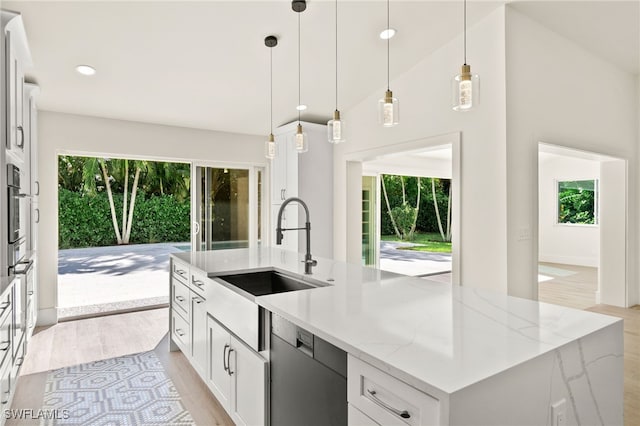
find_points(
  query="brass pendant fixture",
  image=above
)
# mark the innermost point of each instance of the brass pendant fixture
(335, 127)
(270, 147)
(301, 142)
(388, 106)
(466, 86)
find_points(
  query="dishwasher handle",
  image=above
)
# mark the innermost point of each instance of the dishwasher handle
(304, 342)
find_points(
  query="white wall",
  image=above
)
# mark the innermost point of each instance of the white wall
(560, 93)
(66, 133)
(569, 244)
(424, 93)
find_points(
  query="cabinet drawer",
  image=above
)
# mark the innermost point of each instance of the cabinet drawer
(358, 418)
(5, 305)
(198, 283)
(5, 339)
(387, 400)
(180, 271)
(180, 331)
(181, 298)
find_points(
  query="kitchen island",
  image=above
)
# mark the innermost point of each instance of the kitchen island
(454, 354)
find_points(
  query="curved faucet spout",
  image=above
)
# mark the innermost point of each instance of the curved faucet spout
(309, 262)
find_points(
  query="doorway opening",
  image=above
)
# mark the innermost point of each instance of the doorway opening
(581, 227)
(403, 229)
(118, 220)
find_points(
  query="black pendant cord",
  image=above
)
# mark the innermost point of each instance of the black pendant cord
(388, 42)
(298, 69)
(336, 55)
(465, 32)
(271, 89)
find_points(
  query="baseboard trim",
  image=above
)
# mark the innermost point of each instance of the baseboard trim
(47, 316)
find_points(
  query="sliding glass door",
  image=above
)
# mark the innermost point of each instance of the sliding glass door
(227, 208)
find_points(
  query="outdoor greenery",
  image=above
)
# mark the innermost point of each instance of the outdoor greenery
(114, 201)
(408, 207)
(577, 202)
(430, 241)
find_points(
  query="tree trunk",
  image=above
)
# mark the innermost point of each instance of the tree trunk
(124, 200)
(449, 214)
(435, 204)
(386, 199)
(404, 194)
(415, 217)
(112, 207)
(134, 190)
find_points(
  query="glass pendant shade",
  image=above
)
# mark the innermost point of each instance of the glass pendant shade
(465, 89)
(388, 110)
(335, 129)
(301, 140)
(270, 147)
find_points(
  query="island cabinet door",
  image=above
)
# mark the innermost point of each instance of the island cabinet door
(248, 385)
(199, 333)
(218, 346)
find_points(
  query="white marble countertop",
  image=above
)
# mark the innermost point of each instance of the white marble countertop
(434, 336)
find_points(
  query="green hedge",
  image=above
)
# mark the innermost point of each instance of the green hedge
(85, 220)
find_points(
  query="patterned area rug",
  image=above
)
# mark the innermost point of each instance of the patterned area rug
(129, 390)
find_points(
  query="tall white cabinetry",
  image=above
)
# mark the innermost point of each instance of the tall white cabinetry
(308, 176)
(18, 124)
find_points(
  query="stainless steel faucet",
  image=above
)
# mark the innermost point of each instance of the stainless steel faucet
(308, 261)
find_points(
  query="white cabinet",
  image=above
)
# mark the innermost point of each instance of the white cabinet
(16, 58)
(236, 376)
(308, 176)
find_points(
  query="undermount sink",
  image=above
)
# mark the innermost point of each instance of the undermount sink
(267, 282)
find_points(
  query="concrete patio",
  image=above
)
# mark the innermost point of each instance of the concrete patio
(115, 278)
(119, 278)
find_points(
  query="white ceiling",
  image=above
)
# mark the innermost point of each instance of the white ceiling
(204, 64)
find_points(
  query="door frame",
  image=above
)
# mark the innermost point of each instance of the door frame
(253, 169)
(354, 191)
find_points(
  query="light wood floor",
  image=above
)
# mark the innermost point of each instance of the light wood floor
(572, 286)
(76, 342)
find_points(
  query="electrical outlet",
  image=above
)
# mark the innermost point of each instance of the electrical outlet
(559, 413)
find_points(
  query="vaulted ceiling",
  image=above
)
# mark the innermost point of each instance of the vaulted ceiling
(204, 64)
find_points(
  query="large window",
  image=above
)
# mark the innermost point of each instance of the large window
(578, 202)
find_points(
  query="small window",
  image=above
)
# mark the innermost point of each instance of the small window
(578, 202)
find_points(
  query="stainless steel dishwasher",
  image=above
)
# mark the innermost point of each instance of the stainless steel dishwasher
(308, 378)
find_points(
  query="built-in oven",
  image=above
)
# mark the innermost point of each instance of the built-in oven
(14, 202)
(16, 205)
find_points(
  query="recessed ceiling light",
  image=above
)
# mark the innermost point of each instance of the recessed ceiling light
(387, 33)
(301, 107)
(86, 69)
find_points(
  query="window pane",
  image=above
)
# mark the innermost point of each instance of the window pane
(577, 202)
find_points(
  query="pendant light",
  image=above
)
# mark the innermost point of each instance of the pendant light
(466, 86)
(388, 106)
(301, 142)
(335, 127)
(270, 147)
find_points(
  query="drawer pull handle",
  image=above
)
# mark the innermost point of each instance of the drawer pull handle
(180, 298)
(30, 293)
(224, 358)
(4, 349)
(198, 300)
(197, 282)
(402, 413)
(179, 332)
(4, 307)
(180, 272)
